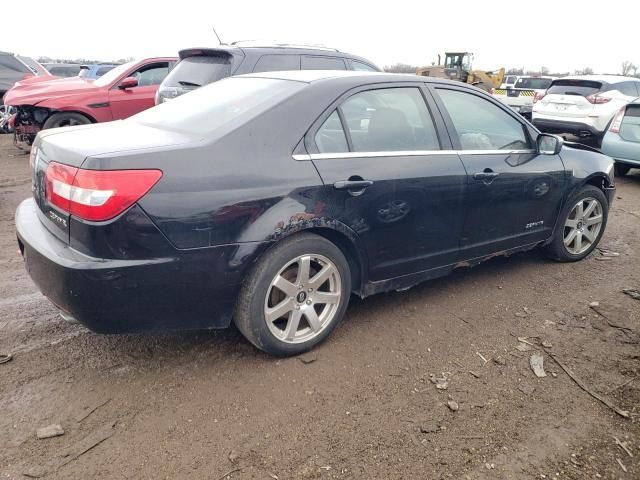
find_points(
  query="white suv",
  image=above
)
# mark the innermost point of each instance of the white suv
(583, 105)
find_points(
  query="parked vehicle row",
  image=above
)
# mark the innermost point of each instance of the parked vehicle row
(131, 88)
(269, 198)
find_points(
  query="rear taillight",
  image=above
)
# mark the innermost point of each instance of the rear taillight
(617, 120)
(96, 195)
(538, 96)
(597, 99)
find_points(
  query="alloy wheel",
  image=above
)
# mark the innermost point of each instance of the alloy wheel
(303, 298)
(582, 227)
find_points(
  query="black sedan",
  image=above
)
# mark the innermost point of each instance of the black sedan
(268, 199)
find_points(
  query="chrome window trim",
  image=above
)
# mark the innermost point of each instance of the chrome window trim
(407, 153)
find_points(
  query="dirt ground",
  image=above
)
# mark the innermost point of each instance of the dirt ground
(362, 405)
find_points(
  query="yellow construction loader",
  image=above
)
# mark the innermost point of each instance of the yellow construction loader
(458, 66)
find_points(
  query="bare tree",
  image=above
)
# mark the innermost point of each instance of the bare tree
(400, 68)
(629, 68)
(584, 71)
(515, 71)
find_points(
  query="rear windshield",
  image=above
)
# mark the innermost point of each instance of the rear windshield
(228, 103)
(533, 83)
(574, 87)
(199, 70)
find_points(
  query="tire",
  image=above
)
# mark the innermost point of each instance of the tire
(620, 170)
(65, 119)
(570, 220)
(260, 297)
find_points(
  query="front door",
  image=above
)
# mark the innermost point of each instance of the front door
(379, 155)
(129, 101)
(513, 194)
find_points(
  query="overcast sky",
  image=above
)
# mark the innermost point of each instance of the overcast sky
(562, 35)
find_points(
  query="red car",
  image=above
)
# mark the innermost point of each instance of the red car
(124, 91)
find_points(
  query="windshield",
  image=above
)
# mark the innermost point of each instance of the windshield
(112, 75)
(574, 87)
(229, 103)
(199, 70)
(533, 83)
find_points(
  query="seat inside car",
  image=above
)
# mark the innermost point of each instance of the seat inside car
(388, 130)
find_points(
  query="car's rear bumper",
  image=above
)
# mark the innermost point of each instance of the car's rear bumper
(564, 126)
(192, 289)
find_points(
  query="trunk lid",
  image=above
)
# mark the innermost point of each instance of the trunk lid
(73, 145)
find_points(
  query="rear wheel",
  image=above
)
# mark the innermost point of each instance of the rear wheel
(580, 225)
(295, 296)
(620, 170)
(65, 119)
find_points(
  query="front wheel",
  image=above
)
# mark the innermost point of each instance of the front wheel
(580, 225)
(295, 296)
(65, 119)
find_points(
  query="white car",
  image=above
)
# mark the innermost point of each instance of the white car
(520, 96)
(583, 105)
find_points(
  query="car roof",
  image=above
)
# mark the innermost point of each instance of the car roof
(311, 76)
(600, 78)
(241, 49)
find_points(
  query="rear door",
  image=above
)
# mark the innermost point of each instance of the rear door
(569, 98)
(514, 194)
(391, 176)
(127, 102)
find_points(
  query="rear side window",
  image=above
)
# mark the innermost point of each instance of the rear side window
(574, 87)
(330, 137)
(480, 124)
(199, 70)
(322, 63)
(533, 83)
(389, 119)
(11, 63)
(510, 80)
(275, 63)
(362, 67)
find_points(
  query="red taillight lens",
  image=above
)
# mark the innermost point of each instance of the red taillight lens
(617, 120)
(96, 195)
(597, 99)
(538, 96)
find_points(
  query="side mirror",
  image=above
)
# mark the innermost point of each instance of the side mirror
(549, 144)
(129, 82)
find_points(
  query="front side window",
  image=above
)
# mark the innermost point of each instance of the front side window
(152, 74)
(480, 124)
(389, 119)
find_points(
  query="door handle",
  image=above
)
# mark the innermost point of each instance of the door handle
(352, 184)
(486, 175)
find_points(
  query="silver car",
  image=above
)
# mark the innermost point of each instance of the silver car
(622, 141)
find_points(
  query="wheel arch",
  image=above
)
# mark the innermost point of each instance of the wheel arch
(53, 111)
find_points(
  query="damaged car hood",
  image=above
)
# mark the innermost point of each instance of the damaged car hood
(34, 93)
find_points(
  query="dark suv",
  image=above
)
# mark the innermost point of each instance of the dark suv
(200, 66)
